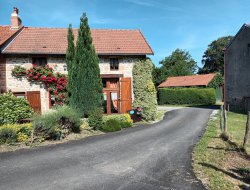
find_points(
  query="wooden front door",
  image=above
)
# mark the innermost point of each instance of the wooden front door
(34, 100)
(111, 93)
(126, 95)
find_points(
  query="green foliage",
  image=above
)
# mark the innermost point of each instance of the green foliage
(111, 126)
(217, 81)
(70, 60)
(18, 71)
(125, 124)
(193, 96)
(87, 94)
(7, 135)
(13, 109)
(15, 133)
(179, 63)
(122, 118)
(213, 58)
(95, 119)
(144, 89)
(58, 123)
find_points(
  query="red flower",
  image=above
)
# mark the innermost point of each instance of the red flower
(34, 65)
(43, 78)
(50, 68)
(35, 77)
(56, 92)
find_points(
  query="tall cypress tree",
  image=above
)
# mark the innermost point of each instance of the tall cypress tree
(87, 95)
(69, 61)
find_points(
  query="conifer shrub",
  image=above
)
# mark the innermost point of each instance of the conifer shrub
(145, 94)
(95, 120)
(193, 96)
(111, 125)
(84, 73)
(13, 109)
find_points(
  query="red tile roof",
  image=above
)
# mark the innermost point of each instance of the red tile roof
(182, 81)
(6, 33)
(54, 41)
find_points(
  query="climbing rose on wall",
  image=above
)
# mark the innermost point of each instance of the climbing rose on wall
(55, 83)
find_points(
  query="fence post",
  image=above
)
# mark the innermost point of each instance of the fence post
(221, 118)
(225, 120)
(247, 131)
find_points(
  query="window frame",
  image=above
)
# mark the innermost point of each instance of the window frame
(113, 61)
(40, 62)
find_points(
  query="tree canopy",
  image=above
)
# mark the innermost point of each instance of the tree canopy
(213, 58)
(179, 63)
(86, 81)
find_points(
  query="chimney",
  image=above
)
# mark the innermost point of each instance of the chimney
(16, 22)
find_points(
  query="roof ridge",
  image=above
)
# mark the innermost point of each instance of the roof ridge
(109, 29)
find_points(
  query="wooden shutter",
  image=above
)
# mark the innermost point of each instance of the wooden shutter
(34, 100)
(126, 95)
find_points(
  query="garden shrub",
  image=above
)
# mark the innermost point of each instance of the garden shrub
(13, 109)
(125, 124)
(15, 132)
(122, 118)
(95, 119)
(111, 125)
(145, 95)
(195, 96)
(58, 123)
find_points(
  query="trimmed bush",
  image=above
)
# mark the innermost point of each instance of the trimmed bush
(121, 118)
(144, 90)
(13, 109)
(111, 126)
(125, 124)
(95, 119)
(195, 96)
(57, 124)
(15, 133)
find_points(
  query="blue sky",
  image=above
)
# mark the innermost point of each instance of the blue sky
(166, 24)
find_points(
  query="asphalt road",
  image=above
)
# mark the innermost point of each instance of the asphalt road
(148, 157)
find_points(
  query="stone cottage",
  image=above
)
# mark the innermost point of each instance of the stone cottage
(237, 71)
(118, 51)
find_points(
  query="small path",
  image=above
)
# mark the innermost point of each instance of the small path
(149, 157)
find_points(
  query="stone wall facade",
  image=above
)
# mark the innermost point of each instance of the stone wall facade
(59, 65)
(237, 67)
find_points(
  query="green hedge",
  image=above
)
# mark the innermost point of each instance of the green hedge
(13, 109)
(197, 96)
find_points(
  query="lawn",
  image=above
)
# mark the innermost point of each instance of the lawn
(220, 164)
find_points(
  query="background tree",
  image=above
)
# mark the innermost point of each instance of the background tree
(179, 63)
(213, 58)
(144, 89)
(70, 59)
(87, 84)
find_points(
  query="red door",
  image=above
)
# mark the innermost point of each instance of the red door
(34, 100)
(126, 95)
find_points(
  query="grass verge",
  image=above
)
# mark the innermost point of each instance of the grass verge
(220, 164)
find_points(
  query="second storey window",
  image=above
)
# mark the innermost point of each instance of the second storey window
(114, 64)
(40, 61)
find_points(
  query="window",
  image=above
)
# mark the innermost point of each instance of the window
(114, 64)
(19, 94)
(40, 61)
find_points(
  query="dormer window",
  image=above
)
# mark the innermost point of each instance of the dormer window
(114, 64)
(39, 61)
